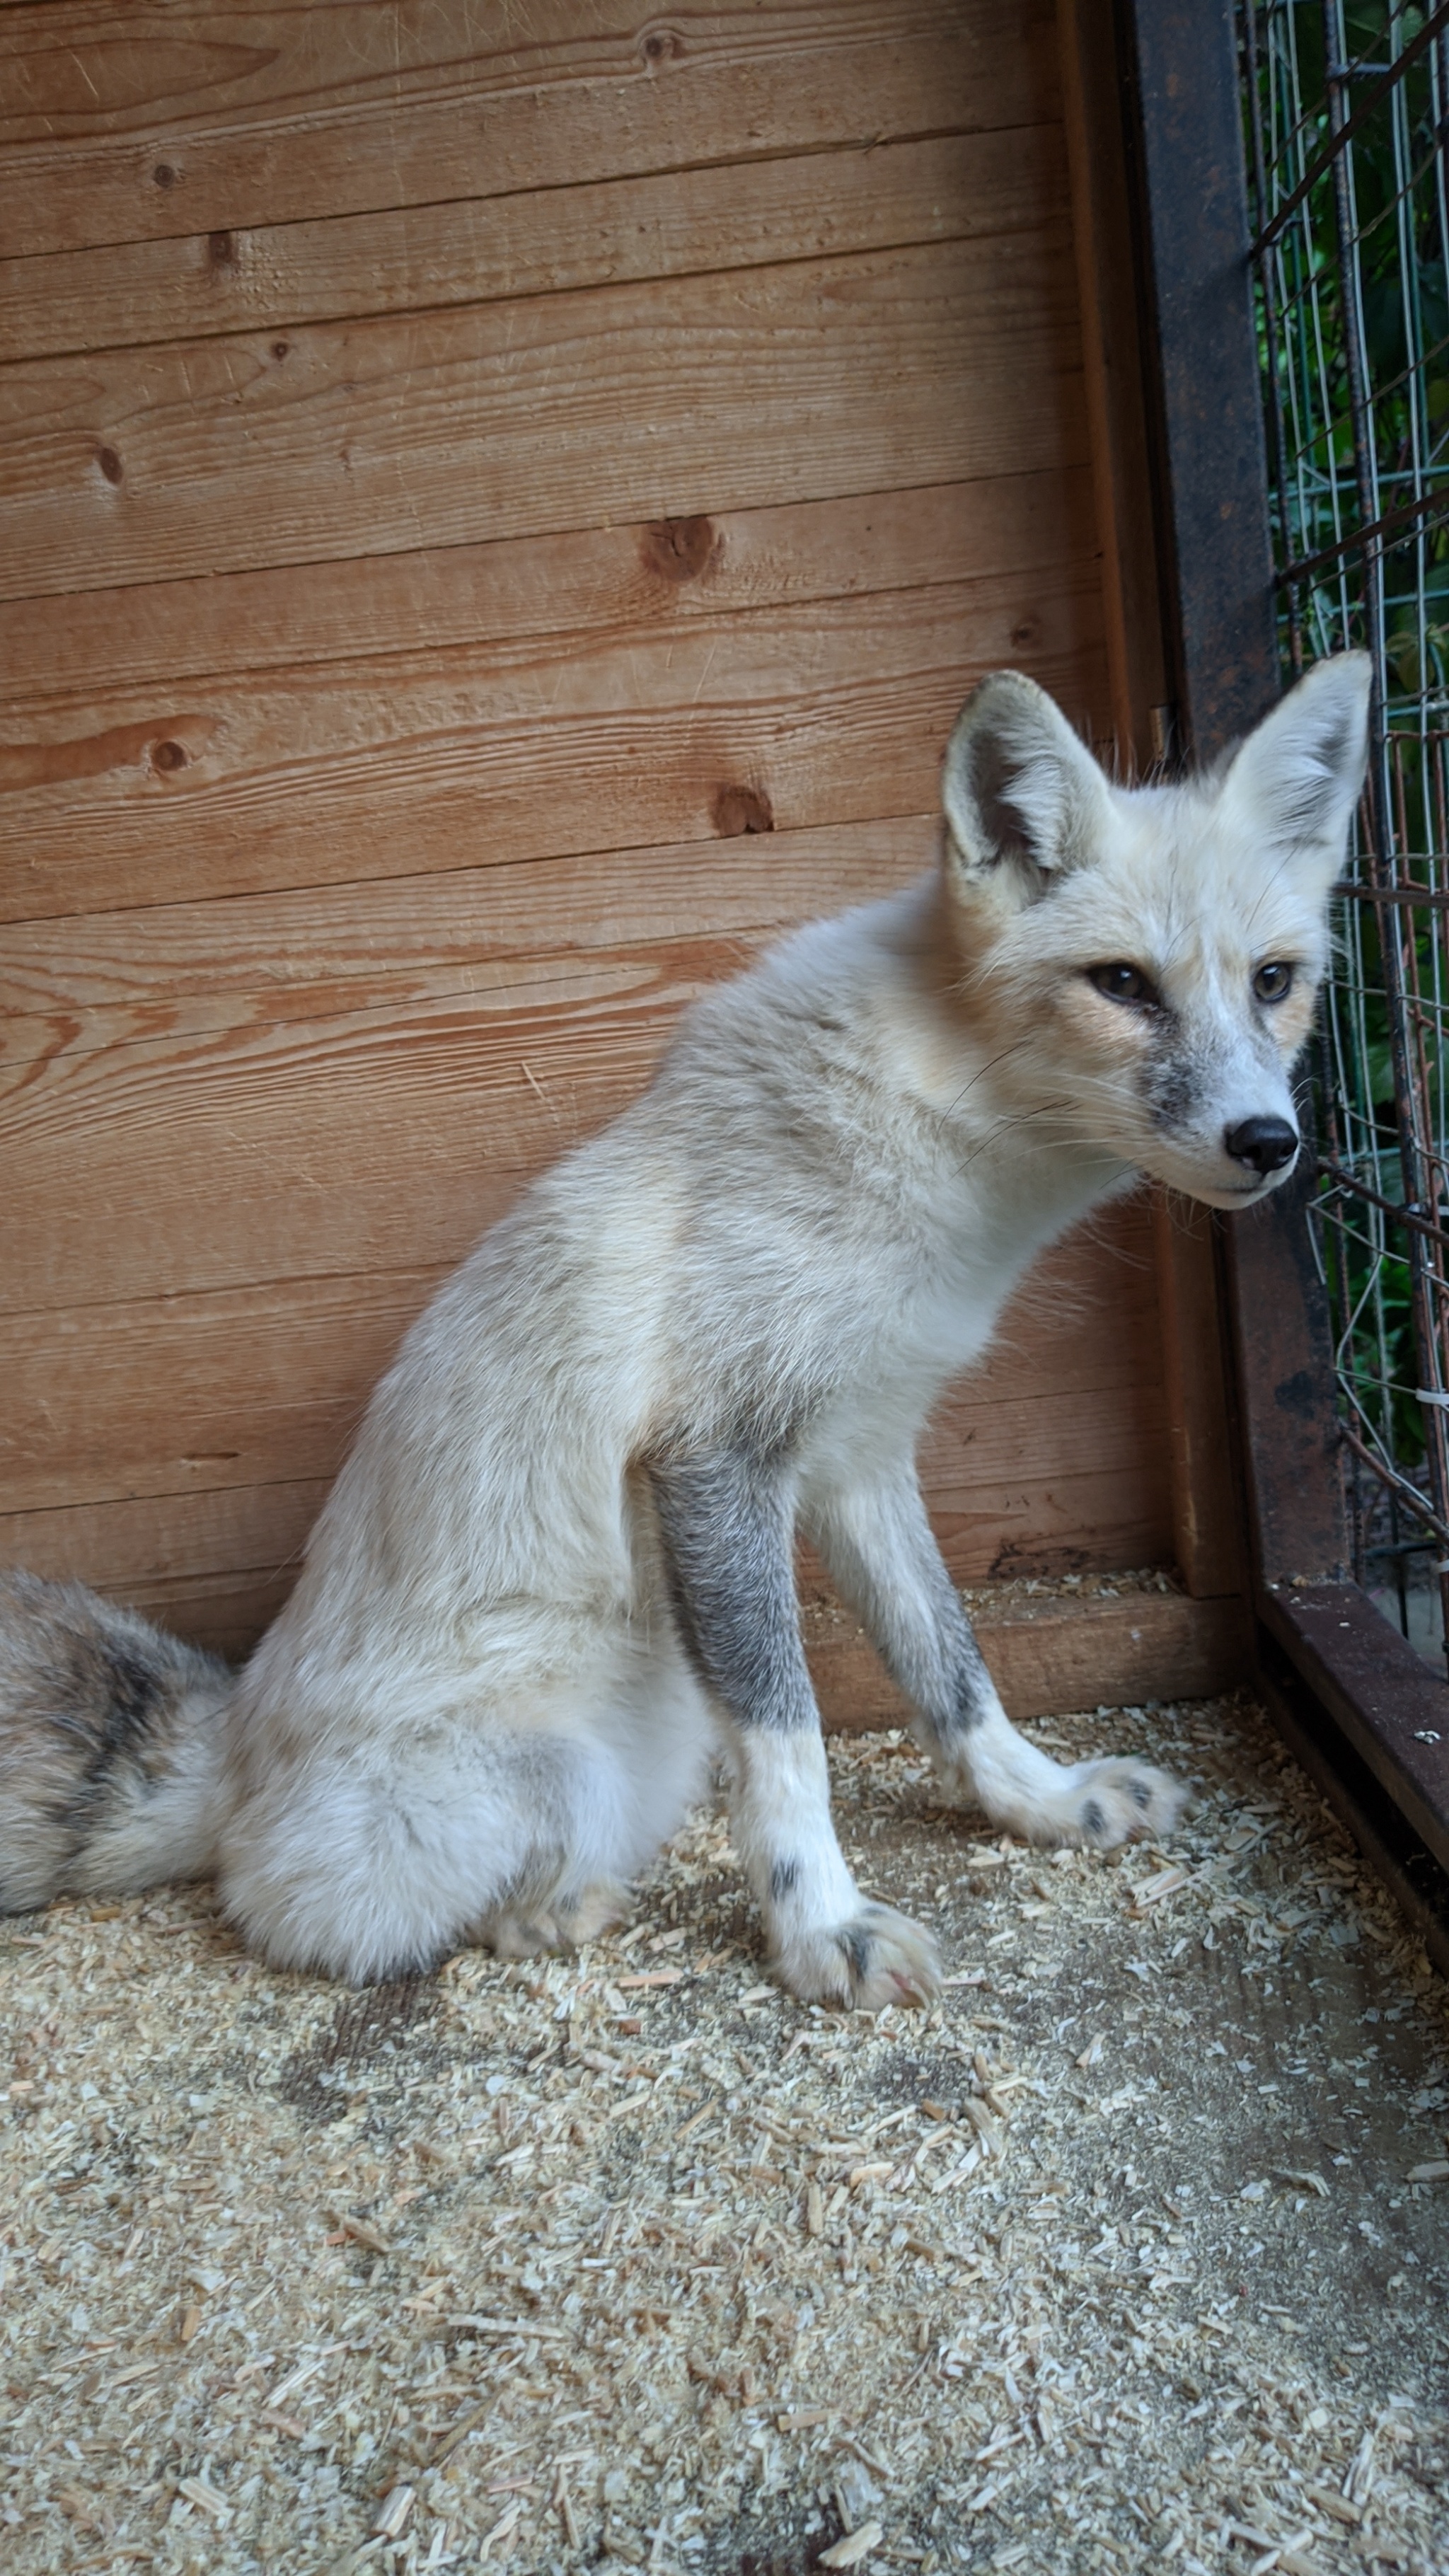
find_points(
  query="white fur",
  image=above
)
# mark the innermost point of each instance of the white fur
(476, 1711)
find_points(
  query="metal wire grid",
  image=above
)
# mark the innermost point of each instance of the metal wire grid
(1347, 110)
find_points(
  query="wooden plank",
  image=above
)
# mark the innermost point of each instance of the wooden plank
(1293, 1456)
(188, 970)
(1391, 1705)
(153, 1546)
(791, 717)
(620, 403)
(539, 242)
(1076, 1473)
(1117, 398)
(248, 1387)
(154, 1550)
(1049, 1658)
(1046, 1658)
(649, 575)
(1061, 1656)
(186, 1393)
(1208, 1503)
(1081, 1491)
(127, 126)
(376, 1140)
(354, 1142)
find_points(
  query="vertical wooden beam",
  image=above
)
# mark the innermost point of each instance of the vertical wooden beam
(1209, 1514)
(1206, 1494)
(1223, 651)
(1213, 466)
(1109, 296)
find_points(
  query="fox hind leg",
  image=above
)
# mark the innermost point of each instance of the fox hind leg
(519, 1932)
(377, 1866)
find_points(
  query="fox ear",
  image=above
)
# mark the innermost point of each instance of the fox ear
(1298, 778)
(1019, 789)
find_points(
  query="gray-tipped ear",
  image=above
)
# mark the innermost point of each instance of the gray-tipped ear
(1019, 789)
(1296, 781)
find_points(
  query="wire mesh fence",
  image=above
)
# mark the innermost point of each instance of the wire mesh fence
(1347, 117)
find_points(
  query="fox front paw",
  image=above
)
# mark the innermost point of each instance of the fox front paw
(1096, 1804)
(1119, 1799)
(874, 1959)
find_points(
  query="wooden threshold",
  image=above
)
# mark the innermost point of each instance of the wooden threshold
(1049, 1656)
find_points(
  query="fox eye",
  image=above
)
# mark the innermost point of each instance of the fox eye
(1274, 982)
(1122, 983)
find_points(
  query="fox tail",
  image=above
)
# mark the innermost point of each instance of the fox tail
(111, 1747)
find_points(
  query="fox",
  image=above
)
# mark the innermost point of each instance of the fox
(554, 1580)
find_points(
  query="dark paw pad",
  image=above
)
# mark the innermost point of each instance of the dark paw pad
(1142, 1794)
(1094, 1822)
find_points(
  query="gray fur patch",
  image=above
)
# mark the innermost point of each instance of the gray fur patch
(728, 1522)
(784, 1879)
(1173, 1088)
(973, 1690)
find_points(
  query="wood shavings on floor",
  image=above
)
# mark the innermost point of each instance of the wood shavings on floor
(1114, 2260)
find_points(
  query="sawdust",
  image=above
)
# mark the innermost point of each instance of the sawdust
(1115, 2260)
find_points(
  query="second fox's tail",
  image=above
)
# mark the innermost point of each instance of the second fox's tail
(110, 1747)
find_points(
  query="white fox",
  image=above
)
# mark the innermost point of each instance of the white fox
(556, 1571)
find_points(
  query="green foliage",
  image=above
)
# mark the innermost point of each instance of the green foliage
(1325, 488)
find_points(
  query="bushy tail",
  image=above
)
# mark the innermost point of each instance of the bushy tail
(110, 1747)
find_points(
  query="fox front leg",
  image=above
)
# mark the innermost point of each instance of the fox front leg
(878, 1544)
(727, 1521)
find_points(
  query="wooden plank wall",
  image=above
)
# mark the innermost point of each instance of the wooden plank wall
(497, 513)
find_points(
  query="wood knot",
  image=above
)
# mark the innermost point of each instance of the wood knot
(659, 45)
(221, 249)
(168, 755)
(110, 464)
(741, 809)
(1026, 631)
(677, 549)
(163, 175)
(280, 348)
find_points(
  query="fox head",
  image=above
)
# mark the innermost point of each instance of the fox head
(1145, 960)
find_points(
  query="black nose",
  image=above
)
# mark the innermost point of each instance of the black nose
(1264, 1144)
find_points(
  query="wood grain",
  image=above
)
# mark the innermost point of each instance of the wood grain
(459, 479)
(138, 130)
(650, 575)
(266, 1383)
(620, 403)
(826, 712)
(1118, 399)
(217, 1565)
(167, 1553)
(188, 970)
(539, 242)
(165, 1451)
(350, 1141)
(1209, 1507)
(1050, 1658)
